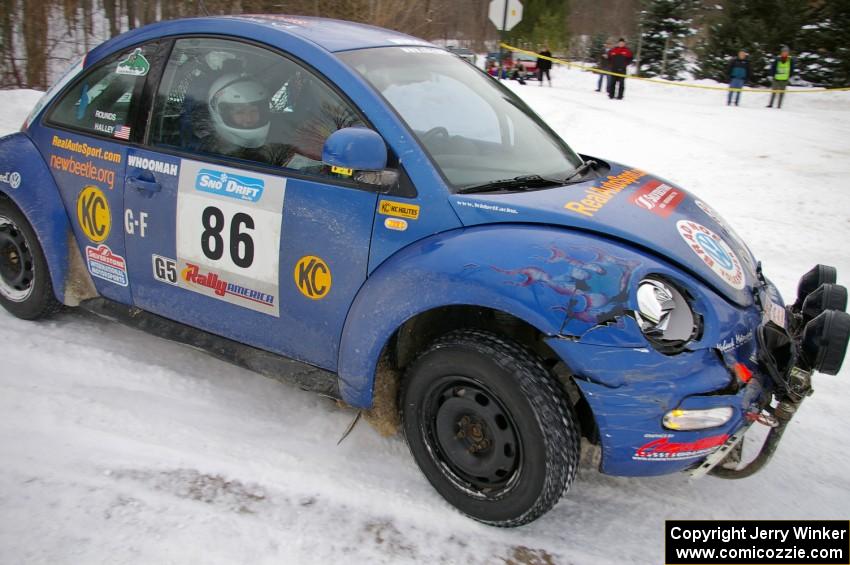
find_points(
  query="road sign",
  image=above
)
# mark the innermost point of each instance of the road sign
(505, 14)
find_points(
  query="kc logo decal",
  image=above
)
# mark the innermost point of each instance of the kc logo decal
(93, 214)
(313, 277)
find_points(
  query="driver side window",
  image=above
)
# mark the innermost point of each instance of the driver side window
(229, 99)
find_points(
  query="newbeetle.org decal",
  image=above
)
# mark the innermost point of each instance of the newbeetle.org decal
(658, 197)
(12, 178)
(228, 234)
(106, 265)
(663, 449)
(713, 251)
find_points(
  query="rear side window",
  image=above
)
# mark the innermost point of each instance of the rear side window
(105, 101)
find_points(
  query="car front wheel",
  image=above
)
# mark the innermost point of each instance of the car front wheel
(25, 287)
(490, 427)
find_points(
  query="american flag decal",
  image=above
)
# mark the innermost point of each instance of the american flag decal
(122, 132)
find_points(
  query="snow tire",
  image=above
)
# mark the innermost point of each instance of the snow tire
(25, 287)
(490, 427)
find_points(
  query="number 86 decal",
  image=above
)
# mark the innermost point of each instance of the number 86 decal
(241, 243)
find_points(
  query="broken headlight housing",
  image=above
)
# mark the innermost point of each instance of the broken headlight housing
(665, 315)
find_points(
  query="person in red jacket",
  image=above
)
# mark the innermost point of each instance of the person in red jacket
(620, 57)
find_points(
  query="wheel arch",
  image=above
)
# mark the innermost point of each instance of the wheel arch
(448, 281)
(37, 198)
(414, 335)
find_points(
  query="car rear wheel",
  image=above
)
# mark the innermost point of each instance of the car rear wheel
(25, 287)
(490, 428)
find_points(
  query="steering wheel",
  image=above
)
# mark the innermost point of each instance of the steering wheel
(435, 133)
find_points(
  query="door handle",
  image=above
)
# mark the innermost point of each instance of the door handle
(143, 185)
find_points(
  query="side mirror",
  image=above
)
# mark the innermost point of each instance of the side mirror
(358, 149)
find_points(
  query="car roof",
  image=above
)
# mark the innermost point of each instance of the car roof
(332, 35)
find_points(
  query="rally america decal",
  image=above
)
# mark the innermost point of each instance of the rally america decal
(662, 449)
(228, 235)
(713, 251)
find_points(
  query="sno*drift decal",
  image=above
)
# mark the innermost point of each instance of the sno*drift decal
(106, 265)
(713, 251)
(596, 197)
(658, 198)
(228, 184)
(663, 449)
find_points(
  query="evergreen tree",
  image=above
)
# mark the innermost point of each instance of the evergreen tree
(597, 46)
(665, 24)
(824, 50)
(543, 21)
(761, 27)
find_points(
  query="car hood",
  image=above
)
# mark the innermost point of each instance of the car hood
(634, 206)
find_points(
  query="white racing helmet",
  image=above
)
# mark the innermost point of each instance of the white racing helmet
(239, 107)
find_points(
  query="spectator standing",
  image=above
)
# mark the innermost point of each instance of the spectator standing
(783, 68)
(739, 74)
(620, 58)
(603, 64)
(544, 65)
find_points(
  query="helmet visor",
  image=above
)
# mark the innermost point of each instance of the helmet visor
(244, 115)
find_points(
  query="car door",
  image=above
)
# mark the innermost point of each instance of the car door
(260, 243)
(84, 140)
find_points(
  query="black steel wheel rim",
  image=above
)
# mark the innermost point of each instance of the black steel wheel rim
(17, 267)
(471, 436)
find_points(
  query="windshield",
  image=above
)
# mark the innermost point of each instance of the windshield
(476, 130)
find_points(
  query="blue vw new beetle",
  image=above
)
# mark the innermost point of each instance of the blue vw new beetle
(375, 219)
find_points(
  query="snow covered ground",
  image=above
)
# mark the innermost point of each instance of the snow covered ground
(118, 447)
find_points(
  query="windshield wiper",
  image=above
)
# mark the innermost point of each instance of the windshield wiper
(583, 168)
(515, 183)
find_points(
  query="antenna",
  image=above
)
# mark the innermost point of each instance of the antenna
(203, 8)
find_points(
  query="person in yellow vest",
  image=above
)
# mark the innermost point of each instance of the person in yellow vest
(783, 68)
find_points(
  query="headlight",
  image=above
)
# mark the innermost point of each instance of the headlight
(664, 315)
(697, 419)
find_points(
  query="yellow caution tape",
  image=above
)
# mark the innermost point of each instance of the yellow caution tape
(670, 83)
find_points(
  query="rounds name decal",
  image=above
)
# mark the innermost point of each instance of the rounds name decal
(313, 277)
(93, 214)
(713, 251)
